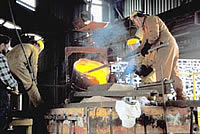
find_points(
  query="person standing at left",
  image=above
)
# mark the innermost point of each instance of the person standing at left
(6, 80)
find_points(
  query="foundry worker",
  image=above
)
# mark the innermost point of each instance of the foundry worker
(6, 80)
(17, 60)
(156, 33)
(144, 67)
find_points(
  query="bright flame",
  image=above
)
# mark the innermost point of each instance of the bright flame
(100, 76)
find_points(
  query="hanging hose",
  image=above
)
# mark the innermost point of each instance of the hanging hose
(29, 65)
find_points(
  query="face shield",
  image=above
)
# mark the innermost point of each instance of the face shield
(134, 42)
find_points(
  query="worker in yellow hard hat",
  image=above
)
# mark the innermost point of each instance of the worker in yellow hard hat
(23, 63)
(166, 59)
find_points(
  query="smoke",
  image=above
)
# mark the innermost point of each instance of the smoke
(112, 33)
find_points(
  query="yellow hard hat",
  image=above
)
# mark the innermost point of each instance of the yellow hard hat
(137, 13)
(41, 44)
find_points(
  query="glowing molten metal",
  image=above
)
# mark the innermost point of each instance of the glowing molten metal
(97, 77)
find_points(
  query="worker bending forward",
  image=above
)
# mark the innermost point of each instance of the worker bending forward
(19, 67)
(156, 33)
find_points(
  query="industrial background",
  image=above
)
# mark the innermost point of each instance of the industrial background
(61, 24)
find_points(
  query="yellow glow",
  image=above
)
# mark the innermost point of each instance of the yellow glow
(100, 76)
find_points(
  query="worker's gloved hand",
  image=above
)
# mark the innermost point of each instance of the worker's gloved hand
(145, 49)
(138, 71)
(144, 70)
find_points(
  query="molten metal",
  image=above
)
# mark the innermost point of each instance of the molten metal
(99, 77)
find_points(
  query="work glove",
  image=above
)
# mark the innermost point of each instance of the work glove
(144, 70)
(145, 49)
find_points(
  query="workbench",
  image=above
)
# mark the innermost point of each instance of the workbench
(101, 118)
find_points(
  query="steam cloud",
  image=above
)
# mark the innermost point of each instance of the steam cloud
(112, 33)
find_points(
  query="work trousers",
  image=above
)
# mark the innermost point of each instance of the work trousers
(23, 74)
(166, 65)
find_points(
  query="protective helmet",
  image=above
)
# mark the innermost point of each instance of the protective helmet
(137, 13)
(33, 38)
(133, 14)
(41, 44)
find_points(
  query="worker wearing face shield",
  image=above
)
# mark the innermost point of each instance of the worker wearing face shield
(142, 66)
(19, 66)
(166, 59)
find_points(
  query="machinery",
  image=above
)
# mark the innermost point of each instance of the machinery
(90, 107)
(93, 111)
